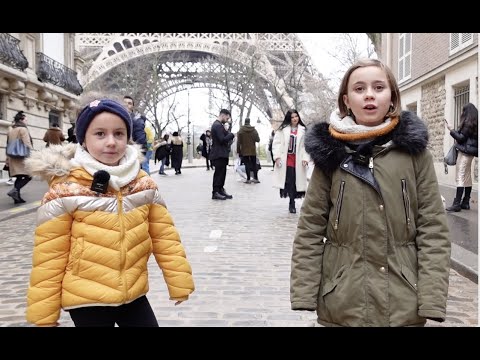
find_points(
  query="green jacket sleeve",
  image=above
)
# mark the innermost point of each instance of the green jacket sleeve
(308, 245)
(433, 242)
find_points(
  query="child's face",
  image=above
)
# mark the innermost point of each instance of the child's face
(106, 138)
(368, 95)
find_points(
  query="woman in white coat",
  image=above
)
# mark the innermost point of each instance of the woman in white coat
(291, 159)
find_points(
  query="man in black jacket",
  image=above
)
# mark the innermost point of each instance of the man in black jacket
(139, 135)
(221, 141)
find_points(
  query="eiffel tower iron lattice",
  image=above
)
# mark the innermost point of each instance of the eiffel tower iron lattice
(193, 60)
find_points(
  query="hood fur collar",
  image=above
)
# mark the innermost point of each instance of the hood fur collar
(410, 135)
(54, 161)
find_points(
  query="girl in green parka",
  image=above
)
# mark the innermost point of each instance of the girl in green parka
(372, 246)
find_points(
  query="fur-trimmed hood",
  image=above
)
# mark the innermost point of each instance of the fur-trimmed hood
(410, 135)
(54, 161)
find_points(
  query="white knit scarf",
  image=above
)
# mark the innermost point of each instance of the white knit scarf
(347, 125)
(120, 175)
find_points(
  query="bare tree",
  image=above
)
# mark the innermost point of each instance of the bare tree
(349, 48)
(320, 102)
(141, 78)
(240, 82)
(376, 39)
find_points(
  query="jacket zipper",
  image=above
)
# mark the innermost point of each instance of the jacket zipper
(406, 201)
(339, 204)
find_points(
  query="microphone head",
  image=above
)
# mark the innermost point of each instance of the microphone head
(100, 181)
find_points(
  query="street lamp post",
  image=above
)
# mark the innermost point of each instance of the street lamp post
(189, 142)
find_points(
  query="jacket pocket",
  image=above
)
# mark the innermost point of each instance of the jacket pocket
(406, 203)
(78, 250)
(410, 277)
(331, 285)
(338, 205)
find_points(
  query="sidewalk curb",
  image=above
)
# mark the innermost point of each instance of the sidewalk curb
(13, 213)
(464, 270)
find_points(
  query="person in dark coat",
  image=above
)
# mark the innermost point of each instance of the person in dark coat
(177, 152)
(72, 138)
(207, 147)
(467, 145)
(221, 142)
(162, 150)
(139, 135)
(247, 137)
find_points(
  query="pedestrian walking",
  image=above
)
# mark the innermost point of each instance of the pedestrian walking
(291, 159)
(206, 139)
(16, 165)
(176, 146)
(247, 137)
(372, 245)
(53, 135)
(466, 138)
(99, 222)
(162, 149)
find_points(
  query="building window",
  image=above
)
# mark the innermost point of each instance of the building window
(460, 98)
(412, 107)
(404, 56)
(459, 41)
(54, 118)
(3, 107)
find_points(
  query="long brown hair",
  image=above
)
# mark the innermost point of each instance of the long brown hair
(395, 96)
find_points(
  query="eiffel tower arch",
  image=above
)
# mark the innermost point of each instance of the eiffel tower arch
(279, 54)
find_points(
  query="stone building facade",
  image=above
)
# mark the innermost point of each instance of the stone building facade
(437, 74)
(32, 81)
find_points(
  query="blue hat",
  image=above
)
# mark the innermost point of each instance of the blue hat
(96, 107)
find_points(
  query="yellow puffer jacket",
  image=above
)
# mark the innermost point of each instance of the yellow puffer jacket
(92, 249)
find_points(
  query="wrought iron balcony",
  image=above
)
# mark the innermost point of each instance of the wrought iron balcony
(51, 71)
(10, 53)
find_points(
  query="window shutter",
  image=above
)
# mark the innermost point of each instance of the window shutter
(408, 55)
(401, 60)
(404, 56)
(466, 37)
(460, 41)
(454, 41)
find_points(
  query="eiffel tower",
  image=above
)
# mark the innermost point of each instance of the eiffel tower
(279, 60)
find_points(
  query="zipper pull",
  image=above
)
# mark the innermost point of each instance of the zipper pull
(370, 163)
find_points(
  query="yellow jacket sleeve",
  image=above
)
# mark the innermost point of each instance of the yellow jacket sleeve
(50, 256)
(170, 254)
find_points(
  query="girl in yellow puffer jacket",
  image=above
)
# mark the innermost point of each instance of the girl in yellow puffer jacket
(99, 222)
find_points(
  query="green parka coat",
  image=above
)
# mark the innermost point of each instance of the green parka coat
(372, 246)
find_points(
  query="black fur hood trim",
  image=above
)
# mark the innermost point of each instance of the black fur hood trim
(410, 135)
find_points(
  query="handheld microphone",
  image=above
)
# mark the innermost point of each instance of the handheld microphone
(100, 181)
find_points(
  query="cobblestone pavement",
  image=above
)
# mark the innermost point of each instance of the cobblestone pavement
(239, 250)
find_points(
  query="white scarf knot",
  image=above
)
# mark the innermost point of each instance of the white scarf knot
(122, 174)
